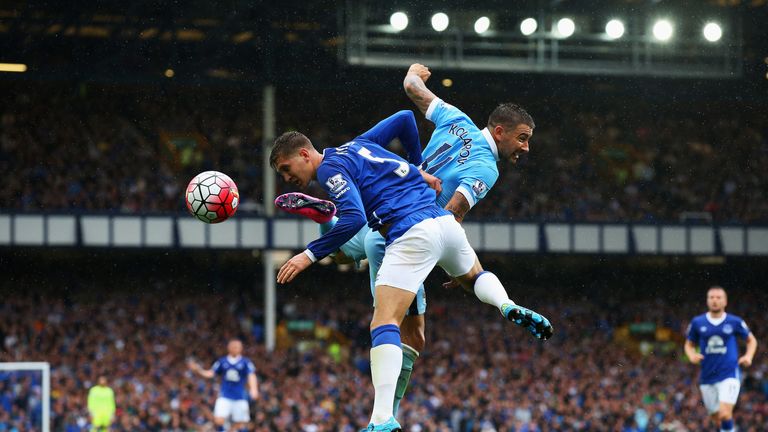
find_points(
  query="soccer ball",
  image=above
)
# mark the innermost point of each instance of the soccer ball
(212, 197)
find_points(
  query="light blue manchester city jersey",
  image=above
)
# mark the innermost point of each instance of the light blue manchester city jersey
(460, 154)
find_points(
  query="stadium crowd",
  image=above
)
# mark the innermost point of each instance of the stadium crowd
(477, 373)
(133, 150)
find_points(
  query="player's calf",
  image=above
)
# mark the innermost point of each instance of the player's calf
(386, 353)
(412, 332)
(725, 417)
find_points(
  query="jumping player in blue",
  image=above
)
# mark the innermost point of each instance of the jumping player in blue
(464, 158)
(236, 372)
(369, 183)
(714, 333)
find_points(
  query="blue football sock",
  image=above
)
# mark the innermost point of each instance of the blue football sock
(726, 425)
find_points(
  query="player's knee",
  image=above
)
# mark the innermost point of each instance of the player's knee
(467, 280)
(383, 316)
(724, 414)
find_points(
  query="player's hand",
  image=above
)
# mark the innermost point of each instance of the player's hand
(745, 361)
(193, 366)
(293, 267)
(433, 182)
(696, 358)
(254, 394)
(454, 283)
(451, 284)
(420, 70)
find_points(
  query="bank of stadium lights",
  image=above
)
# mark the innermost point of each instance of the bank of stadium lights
(528, 26)
(482, 25)
(712, 32)
(398, 21)
(439, 21)
(663, 30)
(614, 29)
(565, 27)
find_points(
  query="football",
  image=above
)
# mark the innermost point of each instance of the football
(212, 197)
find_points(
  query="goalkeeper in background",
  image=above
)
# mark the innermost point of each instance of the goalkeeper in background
(101, 405)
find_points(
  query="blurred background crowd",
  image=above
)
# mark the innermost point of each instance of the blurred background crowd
(120, 104)
(132, 149)
(615, 363)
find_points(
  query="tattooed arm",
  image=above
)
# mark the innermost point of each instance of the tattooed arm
(458, 205)
(416, 88)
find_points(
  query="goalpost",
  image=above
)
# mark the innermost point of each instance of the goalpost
(45, 382)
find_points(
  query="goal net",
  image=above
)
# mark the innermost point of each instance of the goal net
(25, 395)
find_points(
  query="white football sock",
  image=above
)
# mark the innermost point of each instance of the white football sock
(489, 290)
(386, 362)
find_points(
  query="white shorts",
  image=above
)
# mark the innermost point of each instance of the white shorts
(236, 408)
(726, 391)
(438, 241)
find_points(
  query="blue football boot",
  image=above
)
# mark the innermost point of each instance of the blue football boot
(390, 425)
(534, 322)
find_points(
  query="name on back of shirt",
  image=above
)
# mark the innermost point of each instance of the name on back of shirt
(462, 133)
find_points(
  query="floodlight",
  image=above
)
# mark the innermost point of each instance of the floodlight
(439, 21)
(399, 21)
(712, 32)
(482, 25)
(614, 29)
(565, 27)
(663, 30)
(528, 26)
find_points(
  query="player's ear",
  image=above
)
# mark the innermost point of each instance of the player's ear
(498, 131)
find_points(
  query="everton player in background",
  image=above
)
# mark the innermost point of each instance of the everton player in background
(715, 333)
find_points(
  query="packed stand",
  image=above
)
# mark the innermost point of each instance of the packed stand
(477, 373)
(134, 149)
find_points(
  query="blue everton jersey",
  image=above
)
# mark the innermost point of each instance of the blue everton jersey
(369, 183)
(717, 342)
(460, 154)
(234, 376)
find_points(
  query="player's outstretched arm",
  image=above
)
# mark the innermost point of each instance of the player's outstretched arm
(415, 85)
(297, 264)
(401, 125)
(196, 368)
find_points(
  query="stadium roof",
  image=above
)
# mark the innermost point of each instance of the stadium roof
(233, 39)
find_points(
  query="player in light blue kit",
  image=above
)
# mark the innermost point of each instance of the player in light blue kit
(714, 333)
(464, 158)
(369, 183)
(236, 372)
